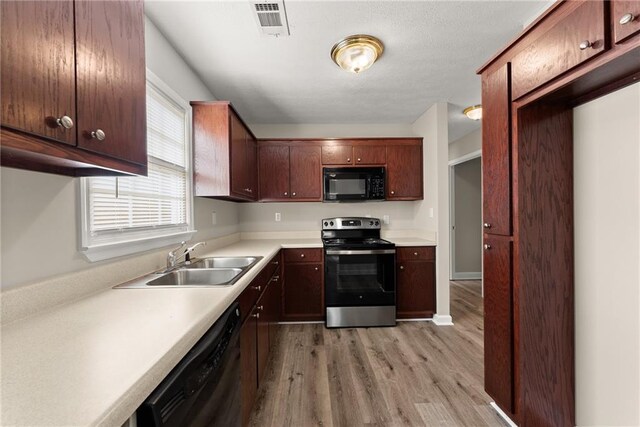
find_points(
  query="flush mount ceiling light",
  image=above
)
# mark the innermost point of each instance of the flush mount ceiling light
(474, 113)
(357, 53)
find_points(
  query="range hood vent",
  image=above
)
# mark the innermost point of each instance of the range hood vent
(271, 17)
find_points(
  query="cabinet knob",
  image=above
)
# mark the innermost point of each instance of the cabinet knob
(275, 278)
(98, 134)
(626, 18)
(293, 194)
(359, 159)
(393, 192)
(249, 190)
(257, 288)
(275, 262)
(487, 246)
(65, 122)
(487, 225)
(301, 255)
(286, 193)
(415, 253)
(257, 315)
(585, 44)
(402, 267)
(348, 159)
(316, 269)
(261, 308)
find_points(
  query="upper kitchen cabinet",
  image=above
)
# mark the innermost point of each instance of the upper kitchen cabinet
(404, 171)
(356, 152)
(225, 153)
(496, 150)
(572, 40)
(625, 15)
(290, 171)
(73, 87)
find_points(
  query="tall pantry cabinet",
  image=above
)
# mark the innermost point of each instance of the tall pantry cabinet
(574, 52)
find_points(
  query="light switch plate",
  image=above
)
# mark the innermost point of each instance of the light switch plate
(278, 217)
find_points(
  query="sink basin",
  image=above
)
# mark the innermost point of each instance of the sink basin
(223, 262)
(198, 277)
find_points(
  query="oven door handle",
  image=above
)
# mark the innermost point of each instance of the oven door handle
(360, 252)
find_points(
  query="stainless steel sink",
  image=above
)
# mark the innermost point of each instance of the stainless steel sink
(198, 277)
(223, 262)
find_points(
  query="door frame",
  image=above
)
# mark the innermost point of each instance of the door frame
(452, 211)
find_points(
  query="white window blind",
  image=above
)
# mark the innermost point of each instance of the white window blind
(133, 208)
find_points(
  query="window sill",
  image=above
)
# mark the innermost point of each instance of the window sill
(114, 250)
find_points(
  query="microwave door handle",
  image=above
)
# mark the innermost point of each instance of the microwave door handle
(360, 251)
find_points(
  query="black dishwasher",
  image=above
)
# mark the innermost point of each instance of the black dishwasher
(204, 388)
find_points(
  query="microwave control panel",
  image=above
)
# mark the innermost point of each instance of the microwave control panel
(377, 188)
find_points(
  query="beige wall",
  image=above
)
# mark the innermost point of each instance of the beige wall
(607, 259)
(39, 212)
(465, 145)
(468, 219)
(432, 213)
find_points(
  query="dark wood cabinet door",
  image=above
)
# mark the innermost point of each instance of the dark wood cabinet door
(369, 155)
(498, 322)
(404, 172)
(496, 152)
(274, 172)
(249, 365)
(238, 152)
(251, 168)
(306, 173)
(38, 68)
(262, 311)
(337, 155)
(560, 48)
(111, 81)
(303, 292)
(416, 293)
(626, 19)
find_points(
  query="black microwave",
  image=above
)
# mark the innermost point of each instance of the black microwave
(353, 184)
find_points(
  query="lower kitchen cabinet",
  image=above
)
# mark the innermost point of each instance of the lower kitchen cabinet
(415, 282)
(303, 293)
(258, 332)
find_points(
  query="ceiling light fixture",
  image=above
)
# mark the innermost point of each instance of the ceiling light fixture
(474, 113)
(357, 53)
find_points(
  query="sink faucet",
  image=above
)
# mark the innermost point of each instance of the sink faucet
(187, 252)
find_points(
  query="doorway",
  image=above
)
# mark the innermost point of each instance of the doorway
(465, 199)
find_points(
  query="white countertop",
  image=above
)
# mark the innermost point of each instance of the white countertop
(93, 361)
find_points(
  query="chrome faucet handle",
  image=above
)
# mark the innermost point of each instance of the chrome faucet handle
(171, 256)
(187, 252)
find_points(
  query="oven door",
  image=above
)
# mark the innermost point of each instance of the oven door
(360, 277)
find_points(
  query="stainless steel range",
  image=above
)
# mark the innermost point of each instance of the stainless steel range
(360, 278)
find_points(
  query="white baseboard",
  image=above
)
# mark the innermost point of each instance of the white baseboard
(473, 275)
(442, 320)
(503, 415)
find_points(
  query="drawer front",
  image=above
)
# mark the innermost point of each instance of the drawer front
(424, 253)
(303, 255)
(626, 19)
(560, 48)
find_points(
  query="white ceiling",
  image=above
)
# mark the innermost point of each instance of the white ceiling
(432, 50)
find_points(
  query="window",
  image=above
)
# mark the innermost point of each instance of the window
(123, 215)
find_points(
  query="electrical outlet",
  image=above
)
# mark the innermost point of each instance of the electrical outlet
(278, 217)
(385, 219)
(430, 212)
(214, 218)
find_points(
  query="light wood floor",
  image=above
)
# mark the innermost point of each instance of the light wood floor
(414, 374)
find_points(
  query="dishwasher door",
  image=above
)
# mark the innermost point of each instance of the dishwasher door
(204, 388)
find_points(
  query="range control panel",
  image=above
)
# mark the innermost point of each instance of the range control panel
(351, 223)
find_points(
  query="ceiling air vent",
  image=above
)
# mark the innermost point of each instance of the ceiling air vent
(271, 17)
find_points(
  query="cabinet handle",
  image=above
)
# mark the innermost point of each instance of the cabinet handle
(275, 278)
(293, 194)
(286, 193)
(487, 225)
(626, 18)
(316, 269)
(98, 134)
(349, 159)
(257, 315)
(487, 246)
(249, 190)
(402, 267)
(65, 122)
(256, 288)
(261, 308)
(359, 159)
(275, 262)
(301, 255)
(585, 45)
(393, 192)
